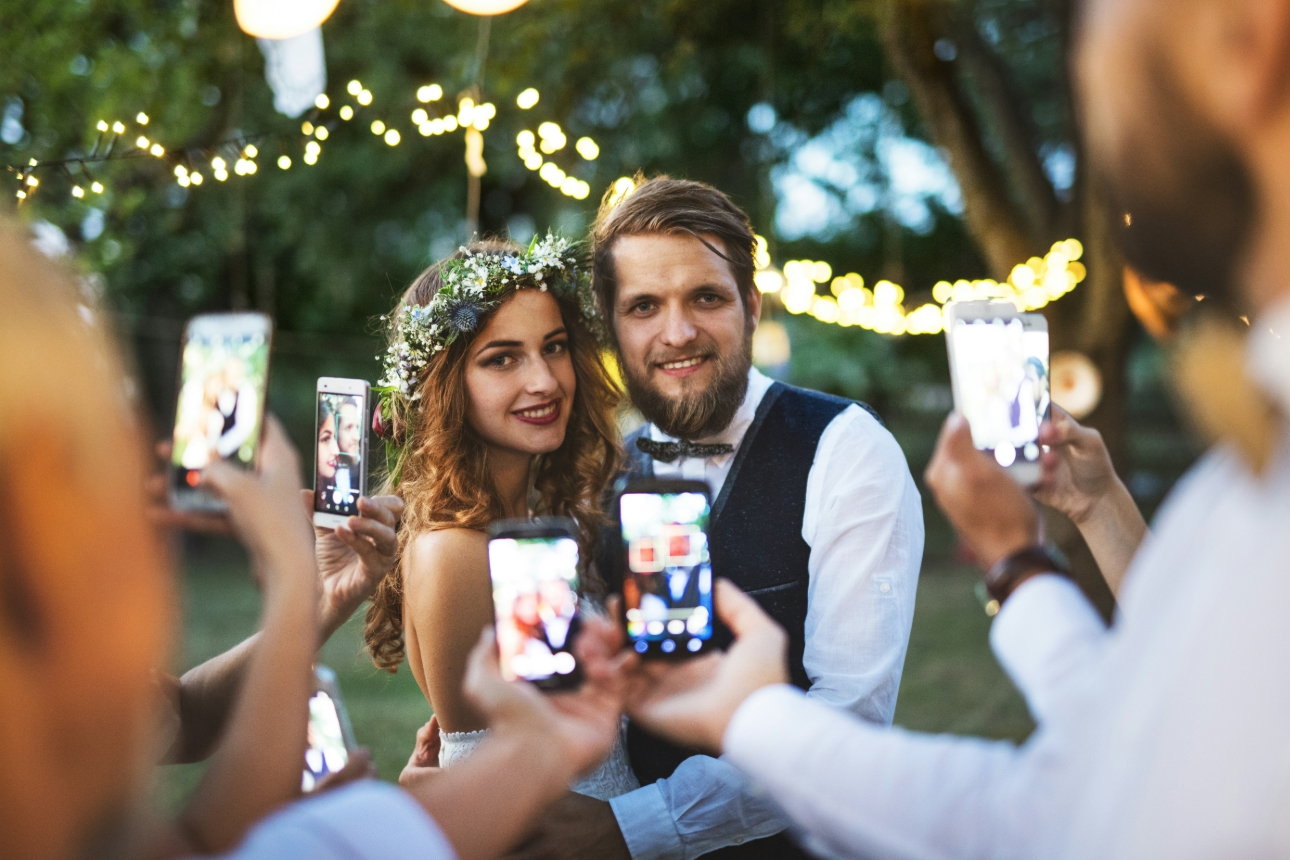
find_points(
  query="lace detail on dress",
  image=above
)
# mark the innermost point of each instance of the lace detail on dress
(612, 778)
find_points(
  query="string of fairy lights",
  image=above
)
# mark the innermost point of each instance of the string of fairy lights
(119, 140)
(797, 285)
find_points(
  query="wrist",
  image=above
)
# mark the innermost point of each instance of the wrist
(1007, 574)
(533, 744)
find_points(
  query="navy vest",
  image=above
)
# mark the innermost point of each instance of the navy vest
(756, 542)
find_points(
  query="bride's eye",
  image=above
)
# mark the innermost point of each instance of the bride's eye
(499, 360)
(559, 347)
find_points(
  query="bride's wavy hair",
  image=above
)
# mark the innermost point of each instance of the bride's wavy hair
(442, 468)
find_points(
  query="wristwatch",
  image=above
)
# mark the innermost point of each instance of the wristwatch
(1009, 573)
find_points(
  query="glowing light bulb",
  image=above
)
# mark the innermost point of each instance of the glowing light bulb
(141, 118)
(141, 142)
(587, 148)
(307, 127)
(96, 187)
(392, 137)
(118, 127)
(102, 125)
(250, 151)
(321, 132)
(322, 102)
(528, 98)
(157, 150)
(281, 19)
(218, 163)
(195, 178)
(525, 139)
(378, 127)
(364, 98)
(429, 93)
(486, 7)
(420, 116)
(353, 88)
(346, 112)
(284, 162)
(78, 192)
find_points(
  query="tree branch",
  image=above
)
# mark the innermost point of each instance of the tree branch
(991, 216)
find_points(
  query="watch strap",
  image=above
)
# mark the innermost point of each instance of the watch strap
(1007, 575)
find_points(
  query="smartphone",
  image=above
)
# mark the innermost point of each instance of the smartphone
(330, 736)
(340, 450)
(667, 571)
(999, 373)
(533, 565)
(219, 414)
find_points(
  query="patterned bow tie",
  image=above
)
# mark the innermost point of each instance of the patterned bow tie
(667, 452)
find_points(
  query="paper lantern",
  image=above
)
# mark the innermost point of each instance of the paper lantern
(281, 19)
(486, 7)
(1076, 383)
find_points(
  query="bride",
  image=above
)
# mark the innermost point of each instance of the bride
(500, 405)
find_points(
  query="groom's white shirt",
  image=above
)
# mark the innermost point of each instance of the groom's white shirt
(864, 524)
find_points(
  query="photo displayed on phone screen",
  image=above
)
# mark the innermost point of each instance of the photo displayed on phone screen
(535, 598)
(221, 400)
(1002, 374)
(326, 752)
(667, 590)
(338, 476)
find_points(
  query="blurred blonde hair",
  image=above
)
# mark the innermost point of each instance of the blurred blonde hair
(84, 595)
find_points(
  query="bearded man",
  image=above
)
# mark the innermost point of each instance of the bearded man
(815, 513)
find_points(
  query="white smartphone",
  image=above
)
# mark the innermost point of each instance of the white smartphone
(330, 737)
(340, 452)
(999, 373)
(219, 414)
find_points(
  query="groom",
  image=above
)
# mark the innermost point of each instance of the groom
(815, 513)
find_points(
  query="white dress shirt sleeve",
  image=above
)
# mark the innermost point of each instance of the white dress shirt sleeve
(867, 791)
(366, 820)
(864, 524)
(1050, 641)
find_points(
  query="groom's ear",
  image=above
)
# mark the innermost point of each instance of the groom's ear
(752, 302)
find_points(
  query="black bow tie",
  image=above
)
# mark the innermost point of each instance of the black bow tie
(667, 452)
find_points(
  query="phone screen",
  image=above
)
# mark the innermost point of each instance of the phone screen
(535, 599)
(326, 751)
(667, 590)
(1002, 375)
(338, 463)
(221, 399)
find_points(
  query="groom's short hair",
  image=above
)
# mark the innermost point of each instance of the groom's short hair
(666, 205)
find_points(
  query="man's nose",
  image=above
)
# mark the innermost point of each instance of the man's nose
(678, 328)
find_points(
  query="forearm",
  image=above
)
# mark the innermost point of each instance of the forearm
(867, 791)
(206, 697)
(485, 804)
(258, 763)
(1113, 528)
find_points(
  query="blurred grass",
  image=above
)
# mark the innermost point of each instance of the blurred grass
(951, 681)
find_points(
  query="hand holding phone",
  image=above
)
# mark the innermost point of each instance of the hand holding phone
(667, 574)
(219, 413)
(533, 565)
(340, 455)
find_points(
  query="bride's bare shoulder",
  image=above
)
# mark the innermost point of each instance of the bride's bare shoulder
(445, 551)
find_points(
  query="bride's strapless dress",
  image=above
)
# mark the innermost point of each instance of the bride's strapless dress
(612, 778)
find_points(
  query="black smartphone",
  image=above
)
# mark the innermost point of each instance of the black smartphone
(667, 570)
(533, 565)
(330, 737)
(219, 414)
(340, 453)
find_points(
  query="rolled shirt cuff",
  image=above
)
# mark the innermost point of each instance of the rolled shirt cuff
(647, 825)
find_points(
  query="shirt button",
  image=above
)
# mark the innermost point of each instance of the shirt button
(885, 587)
(739, 840)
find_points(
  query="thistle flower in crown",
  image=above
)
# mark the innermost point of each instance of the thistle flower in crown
(474, 284)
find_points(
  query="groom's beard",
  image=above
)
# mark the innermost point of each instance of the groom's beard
(697, 414)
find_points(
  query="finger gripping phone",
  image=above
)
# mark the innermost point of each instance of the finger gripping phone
(330, 738)
(999, 373)
(340, 450)
(667, 569)
(219, 413)
(533, 565)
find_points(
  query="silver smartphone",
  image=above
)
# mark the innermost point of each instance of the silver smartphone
(340, 451)
(999, 373)
(330, 737)
(219, 413)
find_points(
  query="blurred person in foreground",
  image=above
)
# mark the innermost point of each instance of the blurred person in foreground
(1163, 736)
(86, 615)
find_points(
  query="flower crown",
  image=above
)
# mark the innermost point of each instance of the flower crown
(473, 285)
